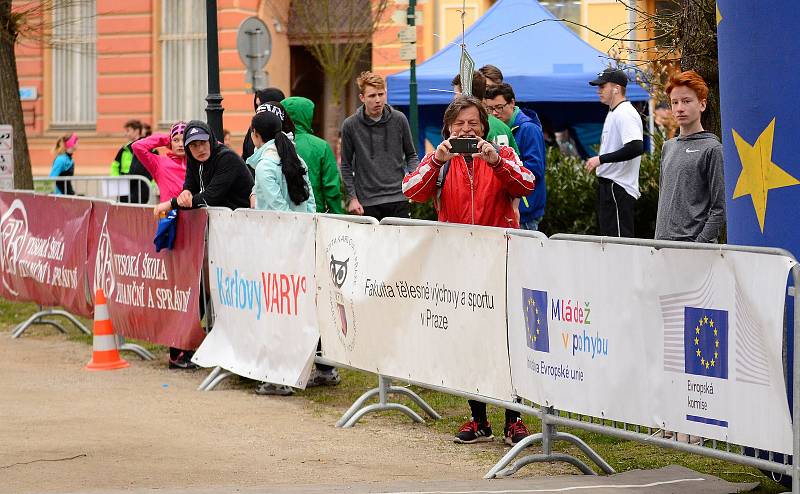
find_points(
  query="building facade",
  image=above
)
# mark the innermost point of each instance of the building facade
(114, 60)
(441, 24)
(109, 61)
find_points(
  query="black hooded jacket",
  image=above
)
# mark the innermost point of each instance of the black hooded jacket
(223, 180)
(259, 97)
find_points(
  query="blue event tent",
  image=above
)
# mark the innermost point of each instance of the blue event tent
(548, 65)
(547, 62)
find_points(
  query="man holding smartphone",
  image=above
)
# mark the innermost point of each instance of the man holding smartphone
(479, 187)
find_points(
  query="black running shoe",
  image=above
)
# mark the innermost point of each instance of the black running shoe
(183, 361)
(471, 432)
(515, 432)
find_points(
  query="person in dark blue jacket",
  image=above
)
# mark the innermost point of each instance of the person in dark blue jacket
(527, 130)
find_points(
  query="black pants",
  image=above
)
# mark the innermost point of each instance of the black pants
(400, 209)
(614, 209)
(321, 367)
(478, 410)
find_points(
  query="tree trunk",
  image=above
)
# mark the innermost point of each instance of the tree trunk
(10, 105)
(334, 114)
(697, 35)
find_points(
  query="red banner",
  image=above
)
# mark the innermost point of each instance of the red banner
(151, 296)
(43, 250)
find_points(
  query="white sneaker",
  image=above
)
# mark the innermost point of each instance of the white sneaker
(274, 389)
(323, 378)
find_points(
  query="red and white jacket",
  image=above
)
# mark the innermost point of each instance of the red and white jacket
(478, 193)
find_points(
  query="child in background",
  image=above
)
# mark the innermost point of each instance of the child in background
(281, 175)
(122, 161)
(169, 172)
(64, 165)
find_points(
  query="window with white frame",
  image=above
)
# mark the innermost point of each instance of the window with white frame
(565, 9)
(184, 73)
(74, 65)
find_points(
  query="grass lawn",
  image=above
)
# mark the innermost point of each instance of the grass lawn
(620, 454)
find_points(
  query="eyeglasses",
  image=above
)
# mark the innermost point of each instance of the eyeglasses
(495, 108)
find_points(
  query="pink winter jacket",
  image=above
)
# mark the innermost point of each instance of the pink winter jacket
(168, 171)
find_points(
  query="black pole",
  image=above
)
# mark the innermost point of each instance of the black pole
(214, 99)
(413, 112)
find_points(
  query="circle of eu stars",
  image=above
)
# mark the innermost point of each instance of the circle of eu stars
(532, 336)
(706, 324)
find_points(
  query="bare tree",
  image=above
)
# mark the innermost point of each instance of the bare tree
(338, 34)
(24, 22)
(12, 23)
(682, 36)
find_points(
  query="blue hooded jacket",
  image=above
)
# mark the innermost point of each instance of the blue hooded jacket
(527, 130)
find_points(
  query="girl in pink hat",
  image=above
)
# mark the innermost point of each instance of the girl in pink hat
(169, 170)
(63, 165)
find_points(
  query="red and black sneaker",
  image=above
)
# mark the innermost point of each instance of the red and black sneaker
(515, 432)
(472, 432)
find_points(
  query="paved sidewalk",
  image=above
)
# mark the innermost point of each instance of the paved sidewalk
(669, 480)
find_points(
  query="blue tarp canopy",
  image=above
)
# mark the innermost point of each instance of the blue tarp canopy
(547, 62)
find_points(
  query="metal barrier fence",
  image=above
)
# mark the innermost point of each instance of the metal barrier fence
(125, 188)
(550, 417)
(777, 463)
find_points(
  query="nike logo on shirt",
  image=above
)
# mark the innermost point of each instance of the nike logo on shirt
(692, 150)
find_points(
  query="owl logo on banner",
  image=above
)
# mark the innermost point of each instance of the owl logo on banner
(104, 262)
(705, 342)
(339, 275)
(13, 232)
(534, 309)
(343, 268)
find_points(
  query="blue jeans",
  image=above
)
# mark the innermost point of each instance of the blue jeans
(532, 224)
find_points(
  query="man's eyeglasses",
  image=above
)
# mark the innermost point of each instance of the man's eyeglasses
(495, 108)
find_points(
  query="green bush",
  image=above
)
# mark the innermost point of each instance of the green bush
(571, 195)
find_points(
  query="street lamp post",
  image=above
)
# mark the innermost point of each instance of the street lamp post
(413, 111)
(214, 99)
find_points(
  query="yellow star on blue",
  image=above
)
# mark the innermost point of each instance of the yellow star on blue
(759, 174)
(706, 323)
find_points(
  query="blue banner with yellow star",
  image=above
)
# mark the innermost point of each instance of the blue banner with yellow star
(759, 87)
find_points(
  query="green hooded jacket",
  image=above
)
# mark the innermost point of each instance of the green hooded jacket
(322, 170)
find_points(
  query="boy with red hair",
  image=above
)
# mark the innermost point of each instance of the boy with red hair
(691, 201)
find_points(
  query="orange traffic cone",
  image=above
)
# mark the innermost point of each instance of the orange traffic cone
(105, 355)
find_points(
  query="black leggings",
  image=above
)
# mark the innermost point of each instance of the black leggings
(479, 412)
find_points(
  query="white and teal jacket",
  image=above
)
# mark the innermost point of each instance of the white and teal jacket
(271, 191)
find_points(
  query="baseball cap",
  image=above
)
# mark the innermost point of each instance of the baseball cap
(610, 75)
(195, 134)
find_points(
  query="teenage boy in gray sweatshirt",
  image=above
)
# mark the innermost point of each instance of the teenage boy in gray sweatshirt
(377, 153)
(691, 201)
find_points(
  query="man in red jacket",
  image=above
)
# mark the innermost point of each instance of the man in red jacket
(477, 189)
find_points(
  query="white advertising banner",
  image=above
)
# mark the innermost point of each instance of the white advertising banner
(687, 341)
(423, 304)
(261, 272)
(6, 157)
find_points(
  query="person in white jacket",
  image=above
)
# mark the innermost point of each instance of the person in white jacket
(281, 181)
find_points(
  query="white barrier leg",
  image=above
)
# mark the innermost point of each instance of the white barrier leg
(139, 350)
(355, 412)
(38, 318)
(548, 436)
(211, 376)
(217, 376)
